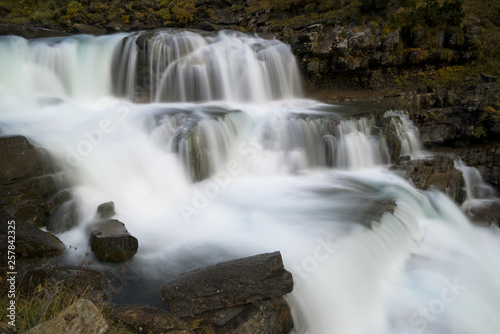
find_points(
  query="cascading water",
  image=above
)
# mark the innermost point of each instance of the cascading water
(260, 170)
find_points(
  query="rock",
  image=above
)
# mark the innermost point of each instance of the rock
(7, 329)
(417, 37)
(437, 173)
(265, 317)
(106, 210)
(325, 47)
(28, 180)
(81, 317)
(88, 29)
(390, 41)
(470, 37)
(64, 218)
(149, 319)
(110, 241)
(359, 42)
(495, 20)
(486, 78)
(486, 211)
(268, 316)
(207, 26)
(31, 242)
(29, 32)
(228, 284)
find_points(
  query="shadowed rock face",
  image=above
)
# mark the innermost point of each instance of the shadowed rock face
(29, 182)
(110, 241)
(31, 242)
(228, 284)
(435, 173)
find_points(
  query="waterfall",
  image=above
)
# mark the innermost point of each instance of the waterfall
(227, 160)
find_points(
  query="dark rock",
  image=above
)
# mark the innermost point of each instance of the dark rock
(437, 173)
(207, 26)
(149, 319)
(417, 37)
(110, 241)
(88, 29)
(486, 211)
(495, 20)
(106, 210)
(268, 316)
(390, 41)
(228, 284)
(28, 180)
(263, 18)
(29, 32)
(64, 218)
(325, 46)
(359, 42)
(470, 37)
(486, 78)
(341, 48)
(31, 242)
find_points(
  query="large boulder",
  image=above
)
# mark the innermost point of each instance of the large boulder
(80, 317)
(110, 241)
(29, 181)
(228, 284)
(30, 242)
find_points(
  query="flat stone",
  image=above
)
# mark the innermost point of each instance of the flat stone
(228, 284)
(149, 319)
(110, 241)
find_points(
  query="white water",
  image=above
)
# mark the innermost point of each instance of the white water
(359, 266)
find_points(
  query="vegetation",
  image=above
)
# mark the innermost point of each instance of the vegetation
(43, 294)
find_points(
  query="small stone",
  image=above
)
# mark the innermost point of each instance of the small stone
(106, 210)
(110, 241)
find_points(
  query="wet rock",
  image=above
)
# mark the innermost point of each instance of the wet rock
(486, 211)
(88, 29)
(64, 218)
(435, 173)
(149, 319)
(106, 210)
(81, 317)
(31, 242)
(228, 284)
(29, 32)
(28, 180)
(110, 241)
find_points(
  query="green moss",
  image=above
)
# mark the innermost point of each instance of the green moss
(74, 8)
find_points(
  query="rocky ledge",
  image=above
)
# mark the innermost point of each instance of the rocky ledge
(239, 296)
